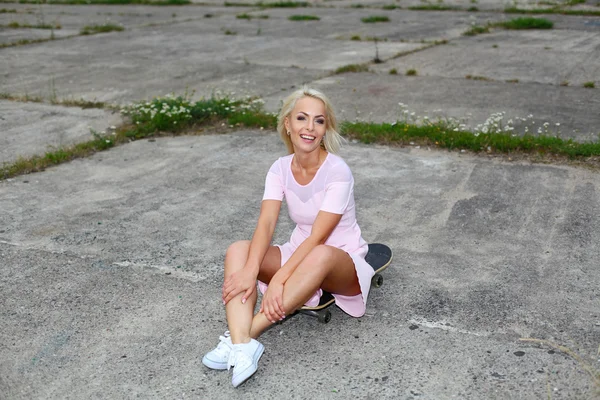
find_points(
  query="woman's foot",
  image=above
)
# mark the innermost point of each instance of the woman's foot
(244, 358)
(218, 358)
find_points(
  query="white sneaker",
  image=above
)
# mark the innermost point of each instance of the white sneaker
(244, 359)
(219, 357)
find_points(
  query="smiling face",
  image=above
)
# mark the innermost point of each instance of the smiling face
(307, 125)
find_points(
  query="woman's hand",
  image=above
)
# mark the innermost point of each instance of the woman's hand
(272, 302)
(243, 280)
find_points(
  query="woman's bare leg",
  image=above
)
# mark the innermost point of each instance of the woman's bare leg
(325, 267)
(239, 315)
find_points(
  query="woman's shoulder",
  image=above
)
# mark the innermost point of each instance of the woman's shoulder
(337, 162)
(338, 167)
(281, 162)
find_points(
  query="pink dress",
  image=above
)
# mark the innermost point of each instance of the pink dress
(331, 190)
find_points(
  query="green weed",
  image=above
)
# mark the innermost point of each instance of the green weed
(17, 25)
(477, 30)
(411, 72)
(526, 23)
(303, 18)
(352, 68)
(109, 2)
(393, 71)
(93, 29)
(433, 7)
(589, 85)
(556, 10)
(249, 17)
(284, 4)
(375, 19)
(477, 78)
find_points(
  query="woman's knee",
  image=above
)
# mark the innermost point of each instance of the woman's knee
(320, 255)
(236, 255)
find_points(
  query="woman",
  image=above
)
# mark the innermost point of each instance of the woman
(326, 250)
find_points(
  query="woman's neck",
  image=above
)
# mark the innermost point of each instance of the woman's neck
(310, 161)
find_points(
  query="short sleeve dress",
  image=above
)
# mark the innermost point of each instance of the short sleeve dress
(331, 190)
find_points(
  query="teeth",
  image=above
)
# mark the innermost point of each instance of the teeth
(307, 137)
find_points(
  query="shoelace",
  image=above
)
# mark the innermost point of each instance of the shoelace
(237, 358)
(223, 346)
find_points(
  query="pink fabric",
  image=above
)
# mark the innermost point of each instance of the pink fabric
(331, 190)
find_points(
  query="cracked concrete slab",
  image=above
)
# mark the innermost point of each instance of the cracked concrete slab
(548, 57)
(112, 268)
(30, 129)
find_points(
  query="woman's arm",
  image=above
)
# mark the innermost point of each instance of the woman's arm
(324, 224)
(263, 234)
(272, 304)
(245, 279)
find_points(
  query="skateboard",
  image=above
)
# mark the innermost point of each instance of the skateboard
(378, 257)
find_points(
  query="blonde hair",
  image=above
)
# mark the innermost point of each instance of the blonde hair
(332, 141)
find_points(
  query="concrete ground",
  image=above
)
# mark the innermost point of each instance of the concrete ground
(110, 266)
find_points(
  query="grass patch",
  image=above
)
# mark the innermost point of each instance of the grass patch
(374, 19)
(556, 10)
(478, 78)
(390, 7)
(55, 157)
(228, 32)
(64, 102)
(352, 68)
(356, 38)
(249, 17)
(178, 115)
(8, 11)
(477, 30)
(589, 85)
(527, 23)
(445, 136)
(303, 18)
(278, 4)
(24, 98)
(22, 42)
(411, 72)
(516, 23)
(16, 25)
(473, 9)
(93, 29)
(81, 103)
(284, 4)
(109, 2)
(433, 7)
(393, 71)
(171, 115)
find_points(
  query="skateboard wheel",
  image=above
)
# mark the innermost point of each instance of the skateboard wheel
(324, 316)
(377, 280)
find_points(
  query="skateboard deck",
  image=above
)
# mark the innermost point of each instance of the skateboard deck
(379, 257)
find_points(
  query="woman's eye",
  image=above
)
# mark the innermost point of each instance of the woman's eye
(320, 121)
(300, 118)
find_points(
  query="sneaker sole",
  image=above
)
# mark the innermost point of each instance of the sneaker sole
(214, 365)
(260, 353)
